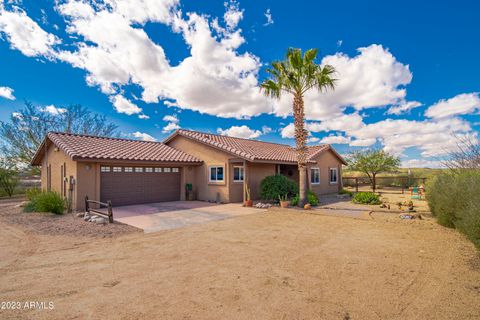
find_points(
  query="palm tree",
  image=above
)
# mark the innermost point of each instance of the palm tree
(296, 75)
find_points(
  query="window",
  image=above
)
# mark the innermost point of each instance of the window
(148, 169)
(117, 169)
(166, 170)
(158, 169)
(128, 169)
(174, 169)
(138, 169)
(216, 174)
(104, 169)
(238, 174)
(333, 175)
(315, 175)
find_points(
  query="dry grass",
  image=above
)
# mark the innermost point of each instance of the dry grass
(283, 264)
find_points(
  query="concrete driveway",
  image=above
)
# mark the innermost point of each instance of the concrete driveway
(153, 217)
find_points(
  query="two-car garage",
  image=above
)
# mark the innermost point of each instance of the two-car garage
(127, 185)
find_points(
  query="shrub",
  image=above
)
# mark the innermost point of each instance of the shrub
(345, 191)
(31, 193)
(8, 181)
(46, 202)
(366, 198)
(273, 187)
(455, 202)
(311, 198)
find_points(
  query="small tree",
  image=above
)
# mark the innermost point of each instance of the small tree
(21, 136)
(373, 162)
(8, 181)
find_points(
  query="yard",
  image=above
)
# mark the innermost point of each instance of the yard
(281, 264)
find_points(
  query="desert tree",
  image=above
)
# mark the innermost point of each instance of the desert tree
(295, 75)
(27, 127)
(372, 162)
(466, 155)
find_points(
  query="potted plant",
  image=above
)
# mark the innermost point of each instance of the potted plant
(248, 202)
(284, 201)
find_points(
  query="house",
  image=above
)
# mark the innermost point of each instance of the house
(132, 172)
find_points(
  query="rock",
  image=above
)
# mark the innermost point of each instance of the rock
(307, 206)
(87, 217)
(100, 220)
(80, 214)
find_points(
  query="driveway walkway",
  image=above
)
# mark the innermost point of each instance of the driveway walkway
(153, 217)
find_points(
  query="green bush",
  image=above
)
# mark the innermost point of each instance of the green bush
(366, 198)
(31, 193)
(273, 187)
(46, 202)
(454, 200)
(311, 198)
(8, 181)
(345, 191)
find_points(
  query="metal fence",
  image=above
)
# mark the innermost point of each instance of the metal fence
(398, 183)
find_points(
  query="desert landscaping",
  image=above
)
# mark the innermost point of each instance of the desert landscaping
(281, 264)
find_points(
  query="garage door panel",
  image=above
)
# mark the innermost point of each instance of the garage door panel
(126, 188)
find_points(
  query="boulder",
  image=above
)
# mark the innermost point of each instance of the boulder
(307, 206)
(100, 220)
(87, 217)
(80, 214)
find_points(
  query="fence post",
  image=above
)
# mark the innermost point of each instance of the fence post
(423, 181)
(403, 185)
(110, 212)
(87, 207)
(356, 184)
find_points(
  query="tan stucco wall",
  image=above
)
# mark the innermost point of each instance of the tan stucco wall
(203, 189)
(325, 161)
(256, 172)
(88, 183)
(56, 159)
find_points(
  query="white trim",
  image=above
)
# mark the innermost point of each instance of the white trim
(210, 173)
(330, 175)
(242, 170)
(311, 176)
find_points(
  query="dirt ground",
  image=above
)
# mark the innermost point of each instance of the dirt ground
(283, 264)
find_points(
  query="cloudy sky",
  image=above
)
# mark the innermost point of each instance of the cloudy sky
(408, 73)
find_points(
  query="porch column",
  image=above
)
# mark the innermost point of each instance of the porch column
(245, 183)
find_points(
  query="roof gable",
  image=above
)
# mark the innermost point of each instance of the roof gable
(86, 147)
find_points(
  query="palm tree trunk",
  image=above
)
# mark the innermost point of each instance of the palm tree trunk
(300, 140)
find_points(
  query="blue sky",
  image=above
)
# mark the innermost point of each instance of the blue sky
(408, 72)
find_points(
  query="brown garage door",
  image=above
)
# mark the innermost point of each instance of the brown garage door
(124, 185)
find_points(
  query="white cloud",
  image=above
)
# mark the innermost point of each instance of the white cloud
(171, 118)
(143, 136)
(7, 93)
(26, 35)
(123, 105)
(143, 116)
(373, 78)
(17, 115)
(465, 103)
(53, 110)
(233, 14)
(266, 129)
(240, 132)
(421, 163)
(288, 132)
(336, 139)
(403, 107)
(313, 140)
(268, 16)
(171, 126)
(173, 123)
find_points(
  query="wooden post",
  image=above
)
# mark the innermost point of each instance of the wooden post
(356, 184)
(110, 212)
(403, 185)
(423, 181)
(87, 207)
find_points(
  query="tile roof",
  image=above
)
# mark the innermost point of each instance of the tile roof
(85, 147)
(252, 150)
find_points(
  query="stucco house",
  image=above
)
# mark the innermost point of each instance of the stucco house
(132, 172)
